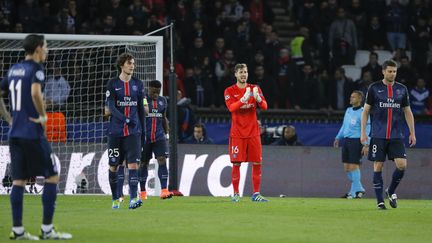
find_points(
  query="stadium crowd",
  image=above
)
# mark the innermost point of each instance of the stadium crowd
(212, 36)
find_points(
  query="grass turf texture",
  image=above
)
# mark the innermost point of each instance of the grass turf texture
(216, 219)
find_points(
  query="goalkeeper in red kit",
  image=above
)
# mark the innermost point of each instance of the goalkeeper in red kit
(242, 100)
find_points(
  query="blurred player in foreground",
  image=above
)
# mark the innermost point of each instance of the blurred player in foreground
(29, 148)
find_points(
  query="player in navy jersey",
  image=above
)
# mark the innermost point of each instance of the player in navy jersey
(29, 149)
(387, 103)
(125, 103)
(155, 140)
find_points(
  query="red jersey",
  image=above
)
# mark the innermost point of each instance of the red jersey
(244, 123)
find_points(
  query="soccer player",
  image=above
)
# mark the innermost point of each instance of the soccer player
(29, 148)
(125, 102)
(388, 103)
(242, 100)
(155, 140)
(352, 149)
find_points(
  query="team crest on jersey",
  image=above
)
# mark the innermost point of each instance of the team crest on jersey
(227, 97)
(40, 75)
(398, 92)
(134, 88)
(107, 93)
(160, 102)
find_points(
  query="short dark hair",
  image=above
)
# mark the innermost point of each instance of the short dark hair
(155, 84)
(123, 58)
(360, 93)
(389, 63)
(31, 42)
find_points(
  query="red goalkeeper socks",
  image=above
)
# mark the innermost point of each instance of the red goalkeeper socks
(256, 177)
(236, 177)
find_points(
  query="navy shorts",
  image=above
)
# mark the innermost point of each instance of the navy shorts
(30, 158)
(159, 148)
(124, 148)
(351, 151)
(379, 148)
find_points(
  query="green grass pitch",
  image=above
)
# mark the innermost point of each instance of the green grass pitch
(216, 219)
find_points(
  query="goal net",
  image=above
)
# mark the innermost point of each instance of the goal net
(77, 126)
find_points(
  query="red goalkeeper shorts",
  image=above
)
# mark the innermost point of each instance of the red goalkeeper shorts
(245, 149)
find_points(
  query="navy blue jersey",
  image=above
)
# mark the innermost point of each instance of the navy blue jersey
(387, 103)
(155, 119)
(125, 102)
(18, 81)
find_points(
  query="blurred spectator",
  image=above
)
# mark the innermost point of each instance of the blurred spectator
(199, 135)
(57, 88)
(30, 15)
(108, 25)
(218, 49)
(186, 117)
(197, 54)
(288, 138)
(199, 88)
(406, 73)
(233, 10)
(396, 24)
(343, 39)
(420, 36)
(117, 11)
(5, 25)
(375, 37)
(307, 13)
(196, 31)
(266, 83)
(179, 82)
(340, 89)
(139, 12)
(363, 83)
(373, 67)
(224, 71)
(359, 16)
(260, 12)
(301, 47)
(18, 28)
(418, 97)
(286, 81)
(307, 90)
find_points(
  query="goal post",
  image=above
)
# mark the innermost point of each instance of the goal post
(86, 62)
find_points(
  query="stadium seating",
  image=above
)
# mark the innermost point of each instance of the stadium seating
(352, 71)
(383, 56)
(361, 58)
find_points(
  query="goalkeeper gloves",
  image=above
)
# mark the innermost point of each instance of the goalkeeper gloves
(246, 96)
(256, 95)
